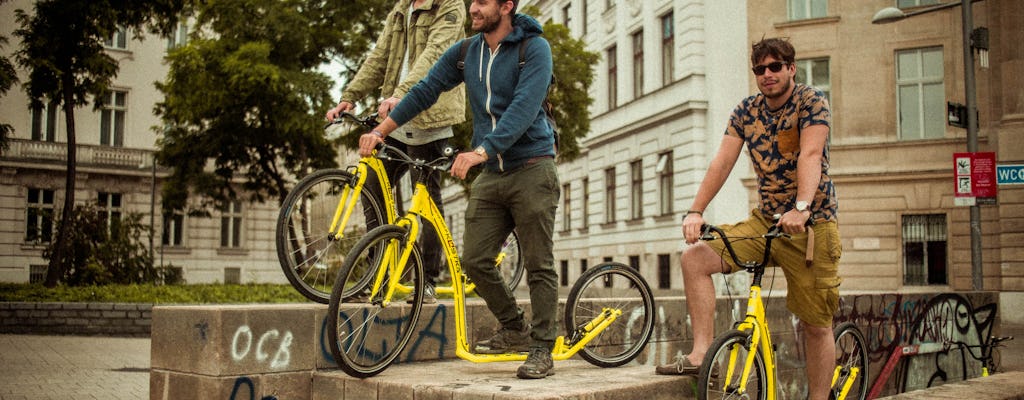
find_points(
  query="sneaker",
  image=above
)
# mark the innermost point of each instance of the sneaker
(429, 295)
(538, 364)
(505, 341)
(681, 366)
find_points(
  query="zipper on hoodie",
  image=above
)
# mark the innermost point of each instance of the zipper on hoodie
(487, 84)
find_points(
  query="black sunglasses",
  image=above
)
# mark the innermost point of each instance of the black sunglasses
(774, 67)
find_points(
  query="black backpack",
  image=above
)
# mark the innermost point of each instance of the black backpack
(546, 105)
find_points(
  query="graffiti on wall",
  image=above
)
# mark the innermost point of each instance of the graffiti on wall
(892, 321)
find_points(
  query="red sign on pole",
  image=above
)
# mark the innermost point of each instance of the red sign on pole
(974, 178)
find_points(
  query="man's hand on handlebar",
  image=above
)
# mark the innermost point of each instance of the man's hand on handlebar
(369, 142)
(794, 221)
(335, 112)
(691, 227)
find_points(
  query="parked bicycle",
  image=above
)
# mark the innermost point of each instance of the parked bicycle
(609, 314)
(328, 211)
(740, 364)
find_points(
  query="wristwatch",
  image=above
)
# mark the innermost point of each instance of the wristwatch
(480, 151)
(801, 206)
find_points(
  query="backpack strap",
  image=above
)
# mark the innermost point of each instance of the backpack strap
(522, 51)
(463, 48)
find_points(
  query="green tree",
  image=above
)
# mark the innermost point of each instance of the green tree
(100, 251)
(8, 77)
(62, 49)
(245, 96)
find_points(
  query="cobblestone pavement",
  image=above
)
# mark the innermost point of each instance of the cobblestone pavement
(73, 367)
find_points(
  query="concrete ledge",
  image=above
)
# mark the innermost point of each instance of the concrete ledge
(1001, 386)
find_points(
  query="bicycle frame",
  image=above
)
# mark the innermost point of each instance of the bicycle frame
(396, 255)
(761, 338)
(350, 195)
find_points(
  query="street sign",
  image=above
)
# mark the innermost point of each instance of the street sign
(974, 177)
(1010, 174)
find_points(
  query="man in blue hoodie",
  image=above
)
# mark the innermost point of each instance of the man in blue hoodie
(518, 187)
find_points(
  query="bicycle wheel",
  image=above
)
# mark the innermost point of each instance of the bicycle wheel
(851, 352)
(721, 374)
(511, 264)
(365, 338)
(309, 256)
(611, 286)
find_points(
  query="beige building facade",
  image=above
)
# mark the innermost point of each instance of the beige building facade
(892, 149)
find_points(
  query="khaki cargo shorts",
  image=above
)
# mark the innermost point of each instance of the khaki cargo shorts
(813, 292)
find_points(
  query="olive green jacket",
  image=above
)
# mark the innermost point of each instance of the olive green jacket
(435, 26)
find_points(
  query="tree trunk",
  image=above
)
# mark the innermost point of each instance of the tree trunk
(60, 254)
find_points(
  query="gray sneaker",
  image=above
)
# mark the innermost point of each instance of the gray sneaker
(538, 364)
(429, 295)
(505, 341)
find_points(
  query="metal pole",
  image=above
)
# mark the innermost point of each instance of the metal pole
(972, 140)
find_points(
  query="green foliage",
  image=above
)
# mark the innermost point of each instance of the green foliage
(8, 77)
(155, 294)
(101, 252)
(245, 96)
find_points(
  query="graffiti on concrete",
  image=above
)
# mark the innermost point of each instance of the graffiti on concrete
(245, 388)
(435, 330)
(270, 341)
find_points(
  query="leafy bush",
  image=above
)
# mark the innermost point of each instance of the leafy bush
(154, 294)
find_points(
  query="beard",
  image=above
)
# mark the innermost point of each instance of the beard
(779, 90)
(488, 24)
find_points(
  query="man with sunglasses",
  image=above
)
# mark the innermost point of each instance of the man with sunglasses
(785, 129)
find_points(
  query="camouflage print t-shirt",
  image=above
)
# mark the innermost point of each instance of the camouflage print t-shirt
(773, 140)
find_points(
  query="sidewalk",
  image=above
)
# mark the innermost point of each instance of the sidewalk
(73, 367)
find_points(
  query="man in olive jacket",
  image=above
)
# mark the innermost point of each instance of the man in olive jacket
(416, 33)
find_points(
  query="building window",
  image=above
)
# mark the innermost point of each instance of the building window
(585, 207)
(118, 40)
(613, 78)
(807, 9)
(664, 271)
(914, 3)
(636, 192)
(609, 195)
(110, 207)
(608, 278)
(567, 15)
(174, 228)
(232, 275)
(608, 4)
(815, 73)
(638, 64)
(563, 278)
(924, 249)
(583, 266)
(179, 37)
(112, 118)
(231, 225)
(39, 216)
(44, 122)
(921, 93)
(37, 273)
(665, 182)
(566, 207)
(668, 49)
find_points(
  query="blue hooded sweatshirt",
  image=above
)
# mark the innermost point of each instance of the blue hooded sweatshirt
(506, 101)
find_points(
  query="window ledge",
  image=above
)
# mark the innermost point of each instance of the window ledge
(176, 250)
(224, 251)
(809, 21)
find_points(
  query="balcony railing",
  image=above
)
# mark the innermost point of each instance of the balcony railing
(88, 155)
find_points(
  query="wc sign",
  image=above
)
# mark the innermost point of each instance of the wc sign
(974, 177)
(1010, 174)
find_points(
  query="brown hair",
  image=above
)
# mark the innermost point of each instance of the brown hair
(778, 48)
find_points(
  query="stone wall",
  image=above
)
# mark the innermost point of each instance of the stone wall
(110, 319)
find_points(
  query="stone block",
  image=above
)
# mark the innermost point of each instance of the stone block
(234, 340)
(169, 385)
